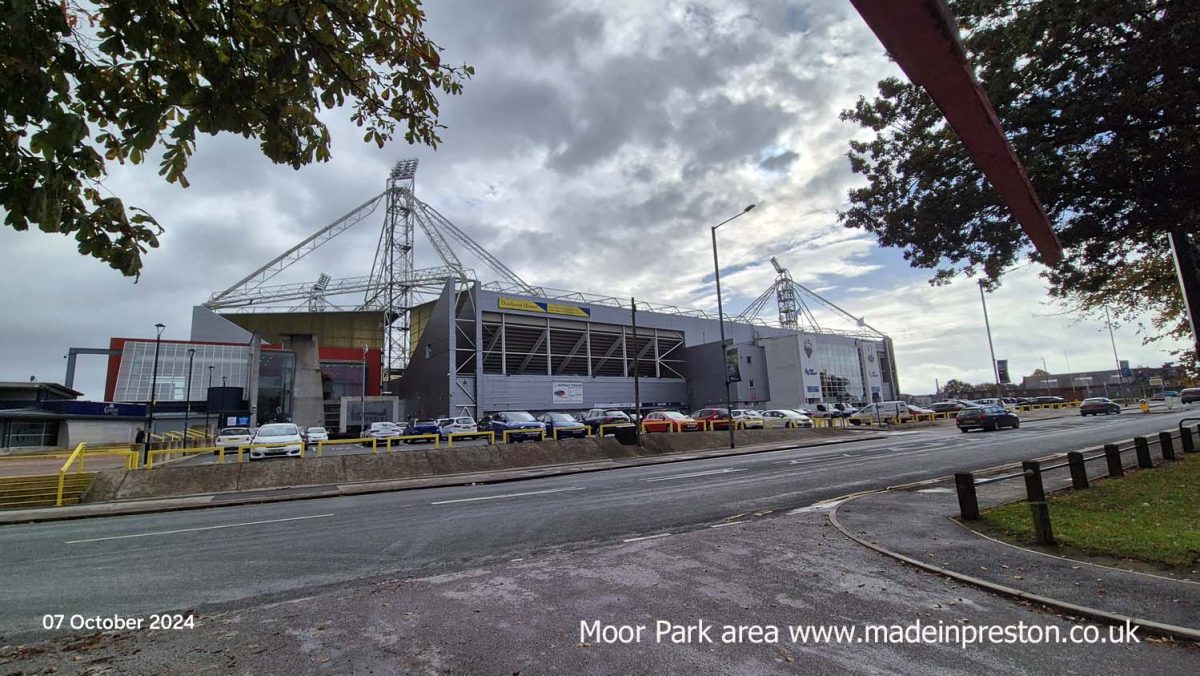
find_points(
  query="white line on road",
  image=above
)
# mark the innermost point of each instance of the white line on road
(189, 530)
(709, 472)
(508, 495)
(647, 537)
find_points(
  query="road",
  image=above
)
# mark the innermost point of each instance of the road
(234, 555)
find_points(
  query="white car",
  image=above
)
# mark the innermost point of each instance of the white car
(232, 437)
(786, 417)
(448, 426)
(383, 430)
(748, 419)
(315, 434)
(286, 434)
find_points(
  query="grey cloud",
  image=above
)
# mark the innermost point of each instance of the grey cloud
(781, 162)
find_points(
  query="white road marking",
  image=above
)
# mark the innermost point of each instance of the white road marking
(727, 523)
(189, 530)
(508, 495)
(709, 472)
(647, 537)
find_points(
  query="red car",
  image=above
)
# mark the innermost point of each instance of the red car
(712, 418)
(668, 421)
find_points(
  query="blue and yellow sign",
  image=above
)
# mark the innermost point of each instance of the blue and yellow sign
(543, 308)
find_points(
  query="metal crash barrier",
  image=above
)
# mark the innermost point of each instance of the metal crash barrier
(489, 435)
(587, 432)
(506, 433)
(600, 432)
(184, 452)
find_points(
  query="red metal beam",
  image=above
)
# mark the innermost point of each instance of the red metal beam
(922, 36)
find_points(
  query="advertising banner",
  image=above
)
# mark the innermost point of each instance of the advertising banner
(733, 373)
(1002, 368)
(543, 308)
(566, 393)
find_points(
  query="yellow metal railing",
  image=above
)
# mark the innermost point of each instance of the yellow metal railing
(587, 432)
(491, 437)
(361, 440)
(436, 438)
(541, 433)
(62, 471)
(600, 431)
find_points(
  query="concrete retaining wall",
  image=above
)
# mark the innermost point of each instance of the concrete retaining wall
(411, 463)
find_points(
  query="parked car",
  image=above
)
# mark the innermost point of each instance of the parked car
(277, 433)
(986, 418)
(828, 411)
(946, 406)
(917, 410)
(747, 419)
(562, 426)
(1162, 396)
(383, 430)
(315, 434)
(786, 417)
(1047, 399)
(1190, 394)
(846, 409)
(992, 401)
(448, 426)
(600, 416)
(712, 418)
(519, 424)
(1099, 406)
(669, 421)
(232, 437)
(883, 410)
(427, 426)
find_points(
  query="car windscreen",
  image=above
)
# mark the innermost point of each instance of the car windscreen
(617, 413)
(235, 431)
(277, 430)
(674, 415)
(518, 416)
(561, 417)
(1094, 401)
(316, 430)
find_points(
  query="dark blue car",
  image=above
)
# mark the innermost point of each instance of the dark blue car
(519, 425)
(422, 427)
(562, 426)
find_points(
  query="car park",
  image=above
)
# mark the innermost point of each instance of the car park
(600, 416)
(313, 435)
(1190, 394)
(786, 417)
(562, 426)
(669, 421)
(286, 435)
(1047, 399)
(520, 425)
(232, 437)
(462, 424)
(1098, 406)
(988, 417)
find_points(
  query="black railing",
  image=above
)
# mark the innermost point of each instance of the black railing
(965, 483)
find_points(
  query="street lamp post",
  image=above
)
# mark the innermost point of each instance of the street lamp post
(221, 420)
(992, 350)
(187, 413)
(362, 397)
(721, 321)
(153, 396)
(207, 399)
(1113, 340)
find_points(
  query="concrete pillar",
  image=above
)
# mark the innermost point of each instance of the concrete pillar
(308, 404)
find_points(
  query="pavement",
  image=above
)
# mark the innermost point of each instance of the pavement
(916, 524)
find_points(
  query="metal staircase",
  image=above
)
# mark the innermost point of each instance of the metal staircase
(41, 490)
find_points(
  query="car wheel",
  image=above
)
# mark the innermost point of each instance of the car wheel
(1016, 424)
(963, 430)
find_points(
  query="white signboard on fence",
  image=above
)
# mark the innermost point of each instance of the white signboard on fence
(567, 393)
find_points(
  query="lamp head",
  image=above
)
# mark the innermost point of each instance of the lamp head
(749, 208)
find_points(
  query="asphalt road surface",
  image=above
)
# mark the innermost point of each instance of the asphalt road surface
(231, 556)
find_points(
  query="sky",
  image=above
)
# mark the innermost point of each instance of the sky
(594, 147)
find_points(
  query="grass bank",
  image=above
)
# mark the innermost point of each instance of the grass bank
(1151, 515)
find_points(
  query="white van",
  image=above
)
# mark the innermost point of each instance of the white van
(883, 410)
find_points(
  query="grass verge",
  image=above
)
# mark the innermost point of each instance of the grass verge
(1151, 515)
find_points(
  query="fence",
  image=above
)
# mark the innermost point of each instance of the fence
(1075, 462)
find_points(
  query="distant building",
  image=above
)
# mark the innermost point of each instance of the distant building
(48, 415)
(1141, 381)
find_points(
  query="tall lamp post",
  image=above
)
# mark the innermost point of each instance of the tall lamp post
(1113, 340)
(207, 399)
(992, 350)
(721, 321)
(187, 413)
(153, 396)
(362, 397)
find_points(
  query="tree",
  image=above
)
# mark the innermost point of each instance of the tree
(83, 85)
(956, 388)
(1101, 102)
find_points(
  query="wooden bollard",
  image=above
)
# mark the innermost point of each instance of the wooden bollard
(1112, 455)
(1167, 445)
(1079, 477)
(968, 503)
(1142, 446)
(1042, 533)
